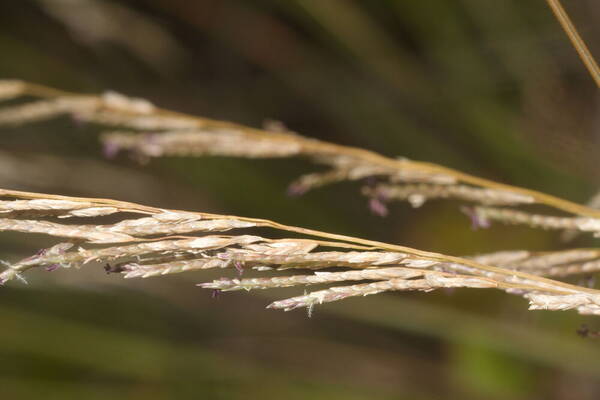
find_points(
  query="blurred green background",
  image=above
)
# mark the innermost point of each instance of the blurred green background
(489, 87)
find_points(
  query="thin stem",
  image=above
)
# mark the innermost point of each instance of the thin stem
(584, 53)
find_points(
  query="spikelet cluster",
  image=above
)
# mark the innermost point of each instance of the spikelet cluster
(146, 131)
(156, 242)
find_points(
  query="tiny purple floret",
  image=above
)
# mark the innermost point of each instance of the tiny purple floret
(110, 150)
(52, 267)
(478, 221)
(239, 267)
(296, 189)
(378, 207)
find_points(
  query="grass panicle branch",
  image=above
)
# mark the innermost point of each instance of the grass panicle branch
(152, 245)
(157, 241)
(157, 133)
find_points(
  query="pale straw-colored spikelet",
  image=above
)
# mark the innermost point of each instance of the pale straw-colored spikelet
(51, 207)
(53, 253)
(70, 104)
(554, 258)
(163, 247)
(585, 303)
(341, 292)
(10, 89)
(192, 245)
(589, 225)
(317, 278)
(511, 216)
(358, 167)
(312, 181)
(121, 103)
(218, 142)
(124, 231)
(587, 267)
(135, 270)
(85, 232)
(417, 194)
(432, 281)
(359, 171)
(156, 226)
(283, 247)
(45, 109)
(55, 207)
(419, 263)
(89, 212)
(317, 260)
(149, 122)
(557, 263)
(502, 257)
(355, 168)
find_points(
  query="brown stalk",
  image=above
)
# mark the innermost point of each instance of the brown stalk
(580, 46)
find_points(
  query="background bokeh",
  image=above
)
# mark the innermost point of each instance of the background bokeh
(489, 87)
